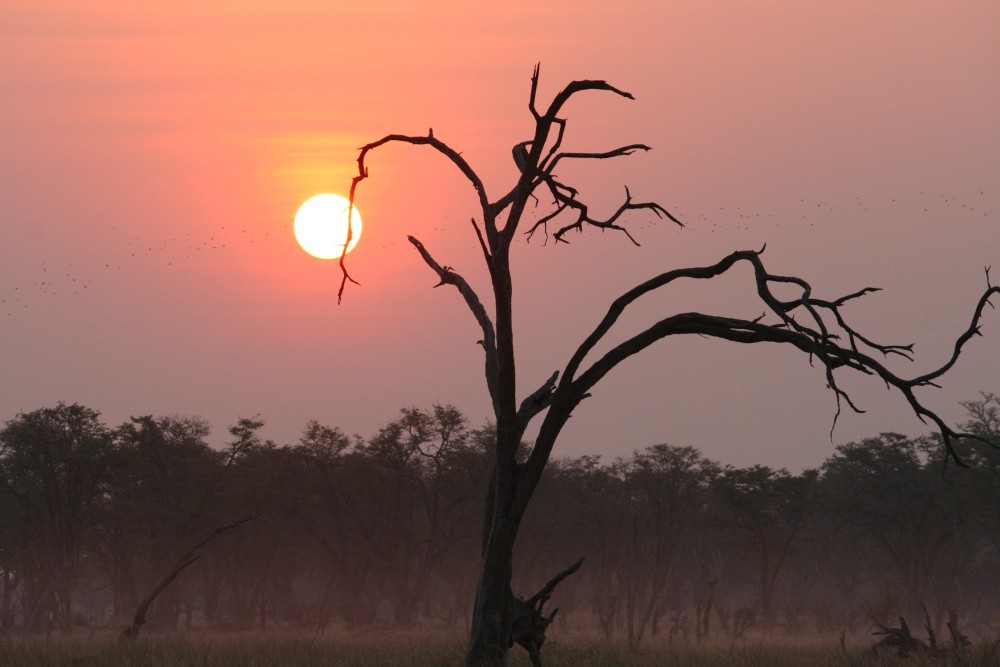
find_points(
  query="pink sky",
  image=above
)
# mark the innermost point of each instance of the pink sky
(155, 154)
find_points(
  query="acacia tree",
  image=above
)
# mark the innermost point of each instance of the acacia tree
(772, 507)
(417, 460)
(813, 325)
(53, 477)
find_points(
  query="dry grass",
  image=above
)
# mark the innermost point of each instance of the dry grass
(417, 651)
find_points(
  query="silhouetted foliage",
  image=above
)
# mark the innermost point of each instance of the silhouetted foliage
(54, 466)
(384, 531)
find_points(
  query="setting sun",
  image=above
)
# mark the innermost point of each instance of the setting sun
(321, 226)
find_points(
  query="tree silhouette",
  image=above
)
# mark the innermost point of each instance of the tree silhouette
(773, 508)
(53, 466)
(816, 326)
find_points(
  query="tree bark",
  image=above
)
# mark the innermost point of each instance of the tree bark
(492, 614)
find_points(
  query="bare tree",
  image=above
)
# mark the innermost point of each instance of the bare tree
(815, 326)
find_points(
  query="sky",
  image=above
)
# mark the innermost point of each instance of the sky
(154, 155)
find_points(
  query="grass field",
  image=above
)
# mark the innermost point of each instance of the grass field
(397, 651)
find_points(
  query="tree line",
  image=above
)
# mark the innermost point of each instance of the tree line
(387, 530)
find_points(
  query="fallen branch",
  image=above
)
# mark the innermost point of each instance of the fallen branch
(899, 638)
(188, 557)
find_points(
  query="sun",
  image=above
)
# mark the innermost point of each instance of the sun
(321, 226)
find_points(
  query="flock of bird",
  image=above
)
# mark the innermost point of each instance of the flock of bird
(49, 279)
(111, 259)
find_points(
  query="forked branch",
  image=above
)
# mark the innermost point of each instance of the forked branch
(488, 245)
(436, 144)
(823, 334)
(530, 622)
(566, 198)
(538, 157)
(448, 276)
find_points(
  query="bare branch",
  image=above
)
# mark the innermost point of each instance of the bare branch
(621, 303)
(438, 145)
(617, 152)
(535, 159)
(815, 339)
(546, 163)
(575, 87)
(529, 624)
(448, 276)
(542, 223)
(482, 242)
(186, 559)
(534, 93)
(972, 330)
(345, 276)
(569, 201)
(535, 402)
(450, 153)
(546, 591)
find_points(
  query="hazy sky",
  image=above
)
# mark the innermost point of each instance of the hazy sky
(154, 155)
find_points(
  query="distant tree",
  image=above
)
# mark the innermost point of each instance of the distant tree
(772, 507)
(830, 581)
(10, 571)
(163, 475)
(321, 503)
(891, 501)
(984, 420)
(576, 511)
(654, 545)
(651, 513)
(792, 316)
(256, 563)
(980, 486)
(53, 475)
(243, 569)
(186, 559)
(983, 490)
(419, 459)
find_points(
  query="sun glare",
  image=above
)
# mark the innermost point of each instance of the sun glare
(321, 226)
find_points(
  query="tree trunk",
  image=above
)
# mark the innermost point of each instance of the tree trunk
(492, 615)
(492, 612)
(7, 602)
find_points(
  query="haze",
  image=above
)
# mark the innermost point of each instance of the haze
(154, 157)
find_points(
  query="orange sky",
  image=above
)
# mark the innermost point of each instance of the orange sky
(155, 154)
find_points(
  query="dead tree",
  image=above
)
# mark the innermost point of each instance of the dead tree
(529, 624)
(899, 639)
(931, 635)
(902, 641)
(959, 641)
(186, 559)
(816, 326)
